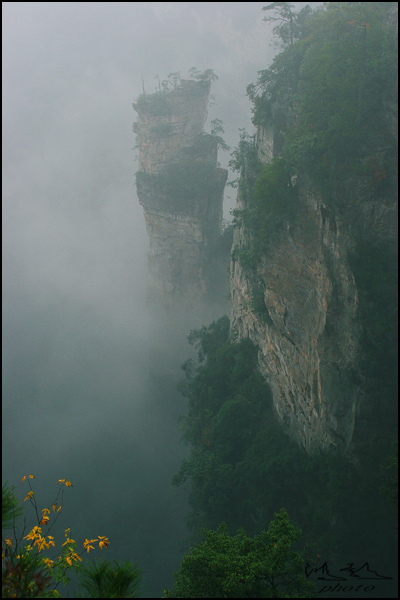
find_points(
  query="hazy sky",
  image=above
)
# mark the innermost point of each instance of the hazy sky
(74, 240)
(75, 368)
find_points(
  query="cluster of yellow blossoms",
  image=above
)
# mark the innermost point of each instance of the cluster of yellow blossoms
(40, 542)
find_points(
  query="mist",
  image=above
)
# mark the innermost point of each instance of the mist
(78, 399)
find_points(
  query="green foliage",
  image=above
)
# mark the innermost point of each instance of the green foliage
(173, 80)
(225, 566)
(237, 446)
(273, 199)
(10, 507)
(242, 467)
(23, 573)
(216, 129)
(228, 404)
(258, 302)
(189, 179)
(326, 92)
(341, 110)
(286, 19)
(247, 255)
(206, 75)
(273, 189)
(104, 579)
(156, 104)
(226, 372)
(245, 162)
(181, 185)
(152, 104)
(208, 340)
(324, 97)
(27, 572)
(274, 95)
(26, 578)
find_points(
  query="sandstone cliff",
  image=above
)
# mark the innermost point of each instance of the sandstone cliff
(308, 330)
(308, 343)
(180, 187)
(311, 302)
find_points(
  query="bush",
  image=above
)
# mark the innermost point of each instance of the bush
(103, 579)
(225, 566)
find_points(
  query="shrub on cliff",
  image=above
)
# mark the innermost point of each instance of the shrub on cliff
(183, 181)
(273, 200)
(152, 104)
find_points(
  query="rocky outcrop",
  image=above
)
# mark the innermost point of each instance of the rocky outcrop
(315, 287)
(180, 187)
(300, 307)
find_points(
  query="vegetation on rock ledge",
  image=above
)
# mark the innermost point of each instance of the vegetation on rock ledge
(326, 95)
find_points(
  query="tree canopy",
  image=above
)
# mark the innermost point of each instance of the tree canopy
(237, 566)
(326, 92)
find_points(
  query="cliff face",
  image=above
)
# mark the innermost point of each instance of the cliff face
(314, 261)
(308, 330)
(181, 190)
(307, 346)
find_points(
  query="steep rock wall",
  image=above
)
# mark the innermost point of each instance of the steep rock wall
(308, 330)
(180, 188)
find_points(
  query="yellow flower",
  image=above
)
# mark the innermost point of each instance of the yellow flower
(68, 541)
(8, 541)
(31, 476)
(103, 542)
(48, 562)
(44, 520)
(72, 556)
(23, 479)
(87, 544)
(35, 533)
(29, 495)
(40, 543)
(67, 482)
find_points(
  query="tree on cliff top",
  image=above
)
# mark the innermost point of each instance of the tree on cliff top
(207, 74)
(286, 17)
